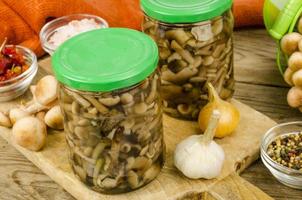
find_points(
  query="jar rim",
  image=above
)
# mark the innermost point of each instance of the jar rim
(185, 25)
(189, 11)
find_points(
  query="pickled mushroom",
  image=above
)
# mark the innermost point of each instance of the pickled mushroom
(193, 55)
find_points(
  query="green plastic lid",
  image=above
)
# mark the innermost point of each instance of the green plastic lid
(185, 11)
(105, 60)
(279, 15)
(280, 18)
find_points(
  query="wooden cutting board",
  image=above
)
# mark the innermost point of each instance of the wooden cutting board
(241, 149)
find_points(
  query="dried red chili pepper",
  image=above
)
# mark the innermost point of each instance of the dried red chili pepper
(12, 63)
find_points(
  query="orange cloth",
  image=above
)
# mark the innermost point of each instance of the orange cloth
(22, 20)
(248, 12)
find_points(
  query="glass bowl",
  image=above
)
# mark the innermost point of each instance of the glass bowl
(50, 28)
(17, 86)
(285, 175)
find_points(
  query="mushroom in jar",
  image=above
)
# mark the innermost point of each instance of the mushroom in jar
(193, 54)
(110, 147)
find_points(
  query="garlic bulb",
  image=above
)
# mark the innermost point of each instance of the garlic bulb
(229, 118)
(198, 156)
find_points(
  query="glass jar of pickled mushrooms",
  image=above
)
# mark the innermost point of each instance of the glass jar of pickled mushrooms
(112, 109)
(195, 43)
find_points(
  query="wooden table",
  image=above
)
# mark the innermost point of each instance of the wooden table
(259, 85)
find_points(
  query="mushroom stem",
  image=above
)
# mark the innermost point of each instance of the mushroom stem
(100, 107)
(83, 102)
(110, 101)
(153, 92)
(40, 115)
(182, 52)
(35, 107)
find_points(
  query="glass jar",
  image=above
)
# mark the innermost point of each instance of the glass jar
(111, 107)
(196, 46)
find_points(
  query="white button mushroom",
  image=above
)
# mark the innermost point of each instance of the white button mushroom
(54, 118)
(30, 133)
(46, 90)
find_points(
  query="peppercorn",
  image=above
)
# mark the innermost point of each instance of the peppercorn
(287, 150)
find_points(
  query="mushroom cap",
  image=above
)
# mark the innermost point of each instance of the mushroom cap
(4, 120)
(17, 113)
(54, 118)
(30, 133)
(46, 90)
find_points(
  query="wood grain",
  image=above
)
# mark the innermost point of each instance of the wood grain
(21, 180)
(259, 176)
(255, 54)
(241, 149)
(260, 85)
(235, 188)
(257, 76)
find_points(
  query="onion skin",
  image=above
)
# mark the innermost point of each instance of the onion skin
(229, 118)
